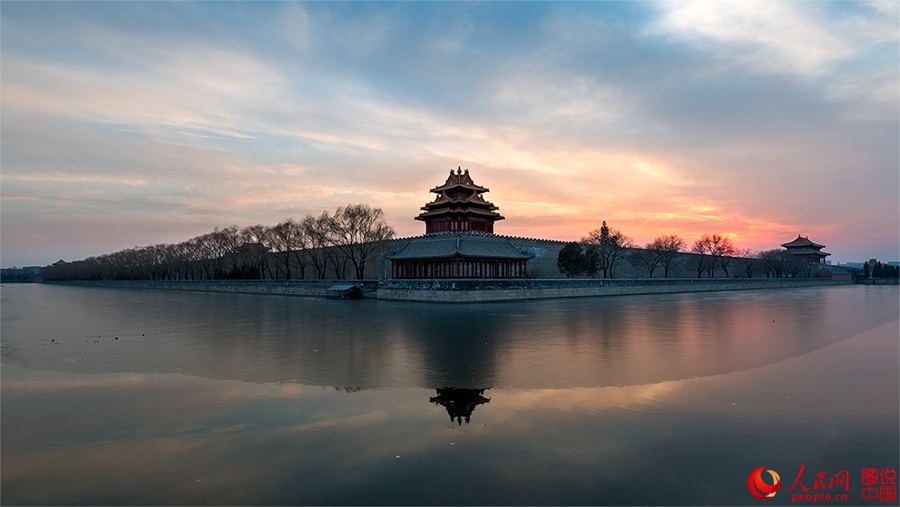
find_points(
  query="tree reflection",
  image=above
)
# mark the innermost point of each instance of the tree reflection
(460, 403)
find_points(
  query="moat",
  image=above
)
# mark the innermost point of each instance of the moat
(128, 396)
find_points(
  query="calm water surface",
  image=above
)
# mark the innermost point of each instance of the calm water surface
(120, 396)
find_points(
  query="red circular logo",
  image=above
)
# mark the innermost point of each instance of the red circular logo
(759, 488)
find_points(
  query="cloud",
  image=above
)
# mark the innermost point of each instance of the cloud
(637, 113)
(772, 35)
(809, 40)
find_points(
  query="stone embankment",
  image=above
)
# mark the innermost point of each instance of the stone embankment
(473, 291)
(315, 288)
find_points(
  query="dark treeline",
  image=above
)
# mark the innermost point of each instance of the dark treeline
(20, 275)
(601, 252)
(875, 269)
(335, 246)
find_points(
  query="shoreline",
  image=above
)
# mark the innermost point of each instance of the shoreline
(470, 290)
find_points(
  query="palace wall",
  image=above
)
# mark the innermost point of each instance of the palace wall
(546, 252)
(543, 265)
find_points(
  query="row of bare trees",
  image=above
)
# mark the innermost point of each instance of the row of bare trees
(778, 263)
(597, 254)
(327, 246)
(661, 252)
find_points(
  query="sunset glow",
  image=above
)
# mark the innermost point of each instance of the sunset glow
(129, 124)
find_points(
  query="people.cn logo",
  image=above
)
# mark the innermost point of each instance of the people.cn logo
(758, 486)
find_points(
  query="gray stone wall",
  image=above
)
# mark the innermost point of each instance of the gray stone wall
(545, 251)
(474, 291)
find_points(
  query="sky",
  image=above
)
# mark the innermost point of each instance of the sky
(128, 124)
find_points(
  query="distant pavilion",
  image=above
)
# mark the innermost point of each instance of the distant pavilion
(459, 240)
(804, 249)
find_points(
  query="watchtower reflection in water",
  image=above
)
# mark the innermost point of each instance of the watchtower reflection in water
(460, 403)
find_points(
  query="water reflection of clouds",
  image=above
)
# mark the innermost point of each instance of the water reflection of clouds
(537, 344)
(248, 413)
(149, 438)
(586, 400)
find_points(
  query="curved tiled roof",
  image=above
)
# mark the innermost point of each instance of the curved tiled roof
(459, 195)
(468, 210)
(807, 251)
(463, 245)
(802, 241)
(476, 233)
(458, 179)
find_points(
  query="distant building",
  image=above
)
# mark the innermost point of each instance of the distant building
(804, 249)
(459, 240)
(833, 273)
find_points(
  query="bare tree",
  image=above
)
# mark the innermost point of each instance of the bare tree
(725, 251)
(646, 258)
(666, 248)
(768, 260)
(793, 265)
(748, 261)
(360, 232)
(713, 250)
(778, 263)
(609, 245)
(700, 250)
(810, 269)
(318, 232)
(289, 240)
(210, 255)
(256, 239)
